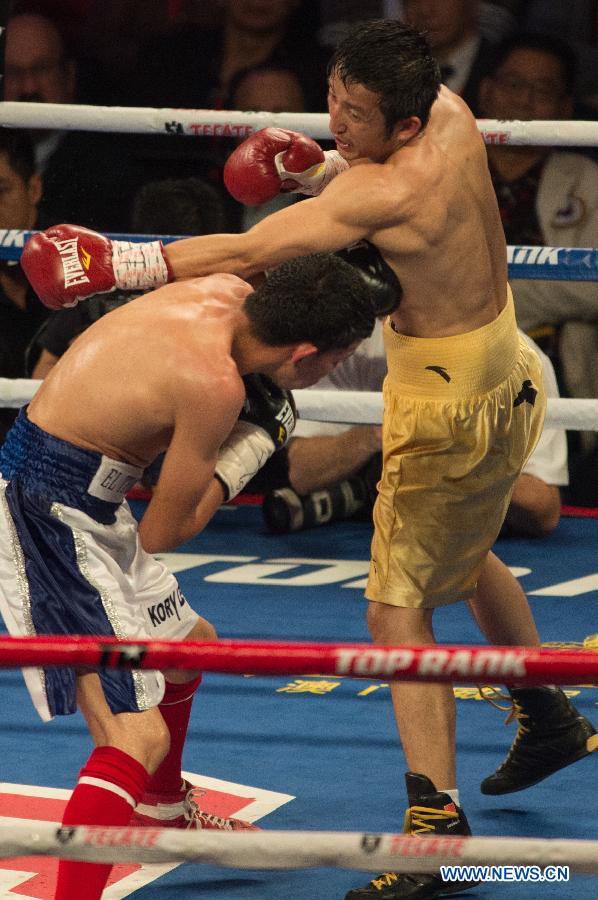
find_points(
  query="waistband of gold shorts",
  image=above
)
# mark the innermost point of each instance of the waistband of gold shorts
(459, 365)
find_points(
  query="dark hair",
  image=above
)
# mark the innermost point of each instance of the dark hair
(319, 298)
(178, 206)
(393, 60)
(17, 147)
(544, 43)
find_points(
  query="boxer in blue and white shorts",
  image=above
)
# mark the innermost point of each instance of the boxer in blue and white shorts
(90, 574)
(200, 371)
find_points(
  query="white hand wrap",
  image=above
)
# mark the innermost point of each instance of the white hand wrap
(313, 181)
(139, 266)
(243, 453)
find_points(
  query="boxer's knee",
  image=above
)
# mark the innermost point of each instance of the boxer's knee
(201, 631)
(399, 625)
(144, 736)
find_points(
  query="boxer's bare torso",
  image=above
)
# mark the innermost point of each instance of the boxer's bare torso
(446, 242)
(165, 373)
(161, 362)
(427, 204)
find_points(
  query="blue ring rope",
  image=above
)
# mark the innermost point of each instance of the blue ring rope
(548, 263)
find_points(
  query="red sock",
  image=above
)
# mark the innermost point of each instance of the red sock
(176, 709)
(110, 786)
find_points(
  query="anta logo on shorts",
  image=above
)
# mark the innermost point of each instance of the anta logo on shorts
(167, 608)
(527, 394)
(440, 370)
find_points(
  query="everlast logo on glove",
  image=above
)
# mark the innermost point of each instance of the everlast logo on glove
(270, 407)
(286, 417)
(73, 266)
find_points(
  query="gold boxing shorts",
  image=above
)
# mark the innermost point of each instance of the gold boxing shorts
(461, 416)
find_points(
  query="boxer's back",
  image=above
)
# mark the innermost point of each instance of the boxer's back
(117, 388)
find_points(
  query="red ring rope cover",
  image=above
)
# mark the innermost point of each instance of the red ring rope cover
(460, 663)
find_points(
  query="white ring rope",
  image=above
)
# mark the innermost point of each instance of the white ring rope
(234, 123)
(348, 407)
(366, 407)
(15, 392)
(292, 849)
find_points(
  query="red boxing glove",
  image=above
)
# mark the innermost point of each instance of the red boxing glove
(272, 161)
(67, 263)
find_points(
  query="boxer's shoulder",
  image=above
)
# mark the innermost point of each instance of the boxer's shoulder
(221, 284)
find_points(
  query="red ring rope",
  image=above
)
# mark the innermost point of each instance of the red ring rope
(521, 665)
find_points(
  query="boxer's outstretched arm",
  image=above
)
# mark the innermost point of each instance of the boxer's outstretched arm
(351, 208)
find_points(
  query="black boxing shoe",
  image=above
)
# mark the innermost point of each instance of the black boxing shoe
(430, 812)
(552, 734)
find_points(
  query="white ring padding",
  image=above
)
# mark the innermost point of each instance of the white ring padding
(235, 123)
(147, 120)
(366, 407)
(348, 407)
(15, 392)
(292, 849)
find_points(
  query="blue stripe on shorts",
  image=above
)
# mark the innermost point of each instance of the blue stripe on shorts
(62, 601)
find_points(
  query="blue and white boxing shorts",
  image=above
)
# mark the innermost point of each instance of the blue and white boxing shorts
(71, 563)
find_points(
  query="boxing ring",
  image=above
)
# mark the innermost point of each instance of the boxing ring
(291, 616)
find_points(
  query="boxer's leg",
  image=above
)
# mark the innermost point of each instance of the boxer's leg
(128, 747)
(551, 732)
(500, 607)
(168, 799)
(425, 713)
(175, 708)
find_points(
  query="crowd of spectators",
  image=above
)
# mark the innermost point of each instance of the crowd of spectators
(509, 60)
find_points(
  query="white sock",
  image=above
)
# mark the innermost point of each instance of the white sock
(453, 794)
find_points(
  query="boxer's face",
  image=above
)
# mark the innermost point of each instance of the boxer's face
(310, 368)
(357, 123)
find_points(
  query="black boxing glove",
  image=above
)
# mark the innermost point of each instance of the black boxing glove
(269, 406)
(385, 287)
(265, 424)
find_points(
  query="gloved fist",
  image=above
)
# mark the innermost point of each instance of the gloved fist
(265, 424)
(67, 263)
(385, 288)
(274, 161)
(271, 407)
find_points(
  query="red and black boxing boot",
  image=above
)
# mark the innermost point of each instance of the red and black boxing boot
(430, 812)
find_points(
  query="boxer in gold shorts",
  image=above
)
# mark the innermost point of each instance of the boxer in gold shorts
(443, 497)
(463, 401)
